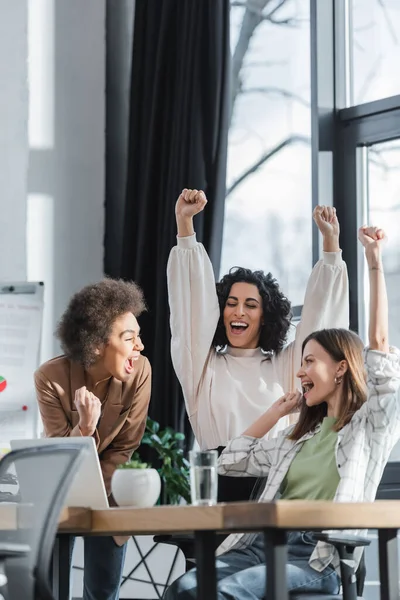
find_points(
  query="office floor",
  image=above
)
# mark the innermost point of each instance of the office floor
(148, 567)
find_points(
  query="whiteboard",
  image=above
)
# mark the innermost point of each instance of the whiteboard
(21, 315)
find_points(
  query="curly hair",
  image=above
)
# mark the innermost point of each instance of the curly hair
(277, 312)
(88, 320)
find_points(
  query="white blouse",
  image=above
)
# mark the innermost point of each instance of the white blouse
(225, 393)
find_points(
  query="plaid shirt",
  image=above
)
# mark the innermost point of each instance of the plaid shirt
(362, 450)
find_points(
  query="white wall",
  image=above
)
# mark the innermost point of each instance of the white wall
(67, 137)
(13, 138)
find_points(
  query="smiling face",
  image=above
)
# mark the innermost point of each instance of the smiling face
(243, 315)
(319, 375)
(123, 348)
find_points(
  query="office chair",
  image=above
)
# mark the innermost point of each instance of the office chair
(353, 587)
(389, 489)
(37, 480)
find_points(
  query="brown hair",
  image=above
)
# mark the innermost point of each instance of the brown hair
(340, 344)
(88, 320)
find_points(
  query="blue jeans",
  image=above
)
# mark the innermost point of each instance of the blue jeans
(241, 574)
(103, 565)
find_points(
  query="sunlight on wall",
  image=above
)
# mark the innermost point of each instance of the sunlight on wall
(40, 207)
(41, 73)
(40, 260)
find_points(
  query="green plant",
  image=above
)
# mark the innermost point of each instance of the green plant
(135, 463)
(173, 466)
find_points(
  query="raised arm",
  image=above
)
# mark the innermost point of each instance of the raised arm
(382, 363)
(372, 238)
(326, 302)
(192, 299)
(249, 454)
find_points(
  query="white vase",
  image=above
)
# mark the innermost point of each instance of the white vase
(136, 487)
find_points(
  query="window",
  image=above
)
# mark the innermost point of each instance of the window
(384, 210)
(375, 49)
(268, 222)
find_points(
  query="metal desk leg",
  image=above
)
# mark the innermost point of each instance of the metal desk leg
(61, 567)
(388, 564)
(205, 563)
(276, 558)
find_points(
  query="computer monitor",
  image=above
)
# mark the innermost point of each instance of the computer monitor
(87, 489)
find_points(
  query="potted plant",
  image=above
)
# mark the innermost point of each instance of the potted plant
(172, 465)
(135, 483)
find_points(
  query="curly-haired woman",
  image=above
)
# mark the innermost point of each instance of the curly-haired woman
(348, 425)
(100, 387)
(247, 317)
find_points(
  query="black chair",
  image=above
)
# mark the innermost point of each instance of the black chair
(389, 489)
(352, 583)
(37, 481)
(345, 545)
(230, 491)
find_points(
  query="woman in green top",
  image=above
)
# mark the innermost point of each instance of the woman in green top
(347, 427)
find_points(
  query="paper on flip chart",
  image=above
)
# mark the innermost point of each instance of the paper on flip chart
(21, 309)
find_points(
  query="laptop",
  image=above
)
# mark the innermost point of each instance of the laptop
(87, 488)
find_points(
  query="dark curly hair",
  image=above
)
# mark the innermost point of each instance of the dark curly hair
(277, 312)
(87, 322)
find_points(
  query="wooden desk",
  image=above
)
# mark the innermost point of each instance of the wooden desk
(243, 516)
(273, 518)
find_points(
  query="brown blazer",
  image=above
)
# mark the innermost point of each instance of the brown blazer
(124, 415)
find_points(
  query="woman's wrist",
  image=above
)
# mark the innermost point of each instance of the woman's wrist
(374, 259)
(184, 226)
(264, 423)
(330, 243)
(86, 431)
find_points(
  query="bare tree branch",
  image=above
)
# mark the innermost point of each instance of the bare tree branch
(389, 23)
(278, 92)
(253, 16)
(293, 139)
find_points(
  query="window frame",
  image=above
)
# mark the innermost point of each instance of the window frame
(340, 135)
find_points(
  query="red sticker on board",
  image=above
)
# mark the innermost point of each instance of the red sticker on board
(3, 384)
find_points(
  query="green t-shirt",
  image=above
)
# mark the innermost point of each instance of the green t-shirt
(313, 474)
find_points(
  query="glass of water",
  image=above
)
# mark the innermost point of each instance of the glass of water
(203, 477)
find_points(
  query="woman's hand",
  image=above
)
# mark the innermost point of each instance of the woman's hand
(372, 238)
(189, 204)
(89, 410)
(287, 404)
(328, 224)
(282, 407)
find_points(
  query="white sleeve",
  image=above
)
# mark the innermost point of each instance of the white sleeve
(246, 455)
(194, 315)
(326, 305)
(383, 403)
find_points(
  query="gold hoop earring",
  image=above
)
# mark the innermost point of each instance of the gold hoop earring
(338, 380)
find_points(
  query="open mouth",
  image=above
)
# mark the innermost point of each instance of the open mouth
(238, 327)
(130, 364)
(306, 387)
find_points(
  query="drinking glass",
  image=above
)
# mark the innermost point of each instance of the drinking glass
(203, 477)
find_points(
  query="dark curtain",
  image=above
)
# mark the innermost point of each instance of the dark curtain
(179, 110)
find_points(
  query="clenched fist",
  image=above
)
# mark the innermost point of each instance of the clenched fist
(326, 220)
(371, 236)
(190, 203)
(287, 404)
(89, 409)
